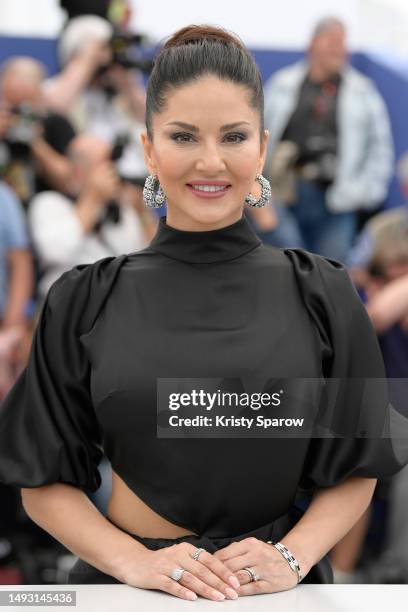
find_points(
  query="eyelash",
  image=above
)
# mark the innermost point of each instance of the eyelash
(175, 137)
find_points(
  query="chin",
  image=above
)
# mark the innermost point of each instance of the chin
(214, 216)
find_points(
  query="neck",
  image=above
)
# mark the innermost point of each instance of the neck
(181, 221)
(205, 246)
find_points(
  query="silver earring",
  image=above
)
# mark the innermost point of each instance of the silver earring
(153, 194)
(265, 193)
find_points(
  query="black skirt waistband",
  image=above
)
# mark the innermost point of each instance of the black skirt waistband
(211, 544)
(321, 573)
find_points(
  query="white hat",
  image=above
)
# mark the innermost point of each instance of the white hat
(80, 31)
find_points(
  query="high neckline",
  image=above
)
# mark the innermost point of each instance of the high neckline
(207, 246)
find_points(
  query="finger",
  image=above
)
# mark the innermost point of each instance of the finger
(248, 560)
(268, 583)
(256, 587)
(232, 550)
(192, 582)
(243, 577)
(212, 572)
(168, 585)
(218, 568)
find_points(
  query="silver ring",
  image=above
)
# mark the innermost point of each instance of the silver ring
(197, 553)
(254, 577)
(177, 574)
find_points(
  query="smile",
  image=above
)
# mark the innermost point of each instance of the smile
(208, 191)
(208, 187)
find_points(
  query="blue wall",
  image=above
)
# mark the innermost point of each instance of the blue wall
(389, 73)
(43, 49)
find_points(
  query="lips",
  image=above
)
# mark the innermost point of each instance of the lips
(209, 188)
(210, 183)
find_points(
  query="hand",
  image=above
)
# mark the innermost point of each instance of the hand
(6, 120)
(97, 52)
(103, 182)
(274, 571)
(128, 86)
(207, 577)
(119, 77)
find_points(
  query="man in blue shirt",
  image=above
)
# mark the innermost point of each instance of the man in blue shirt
(16, 283)
(15, 260)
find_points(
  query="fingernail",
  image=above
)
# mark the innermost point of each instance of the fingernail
(234, 581)
(231, 594)
(218, 596)
(192, 596)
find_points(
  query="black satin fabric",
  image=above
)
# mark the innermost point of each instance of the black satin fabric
(204, 304)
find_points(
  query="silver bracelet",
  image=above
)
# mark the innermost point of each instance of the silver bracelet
(293, 562)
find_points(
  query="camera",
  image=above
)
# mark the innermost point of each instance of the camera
(20, 135)
(318, 159)
(126, 52)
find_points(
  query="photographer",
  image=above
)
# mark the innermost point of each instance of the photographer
(99, 218)
(32, 139)
(100, 86)
(330, 148)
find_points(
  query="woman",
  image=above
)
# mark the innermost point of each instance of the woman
(206, 300)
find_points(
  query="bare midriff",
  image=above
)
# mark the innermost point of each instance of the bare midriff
(129, 512)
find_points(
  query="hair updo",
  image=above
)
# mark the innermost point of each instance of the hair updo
(197, 50)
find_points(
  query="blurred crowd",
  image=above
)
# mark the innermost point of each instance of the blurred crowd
(71, 179)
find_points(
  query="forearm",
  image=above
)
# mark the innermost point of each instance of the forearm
(389, 305)
(71, 518)
(20, 287)
(330, 515)
(63, 89)
(88, 210)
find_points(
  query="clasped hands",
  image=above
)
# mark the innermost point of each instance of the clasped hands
(275, 573)
(215, 576)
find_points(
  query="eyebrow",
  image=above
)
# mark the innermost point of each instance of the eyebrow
(193, 128)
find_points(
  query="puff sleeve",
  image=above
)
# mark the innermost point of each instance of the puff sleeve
(359, 432)
(48, 428)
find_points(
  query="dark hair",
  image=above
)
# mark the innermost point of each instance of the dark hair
(197, 50)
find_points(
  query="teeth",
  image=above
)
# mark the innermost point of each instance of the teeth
(208, 187)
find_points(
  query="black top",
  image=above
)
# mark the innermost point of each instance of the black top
(191, 305)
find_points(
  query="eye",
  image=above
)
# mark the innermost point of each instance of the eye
(181, 137)
(236, 137)
(186, 137)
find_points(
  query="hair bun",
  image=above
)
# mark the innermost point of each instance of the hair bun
(196, 33)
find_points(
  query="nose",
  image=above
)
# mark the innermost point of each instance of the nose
(209, 160)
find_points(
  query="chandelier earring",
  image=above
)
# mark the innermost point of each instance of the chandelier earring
(153, 194)
(265, 193)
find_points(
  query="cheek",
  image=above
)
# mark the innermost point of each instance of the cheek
(172, 162)
(244, 163)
